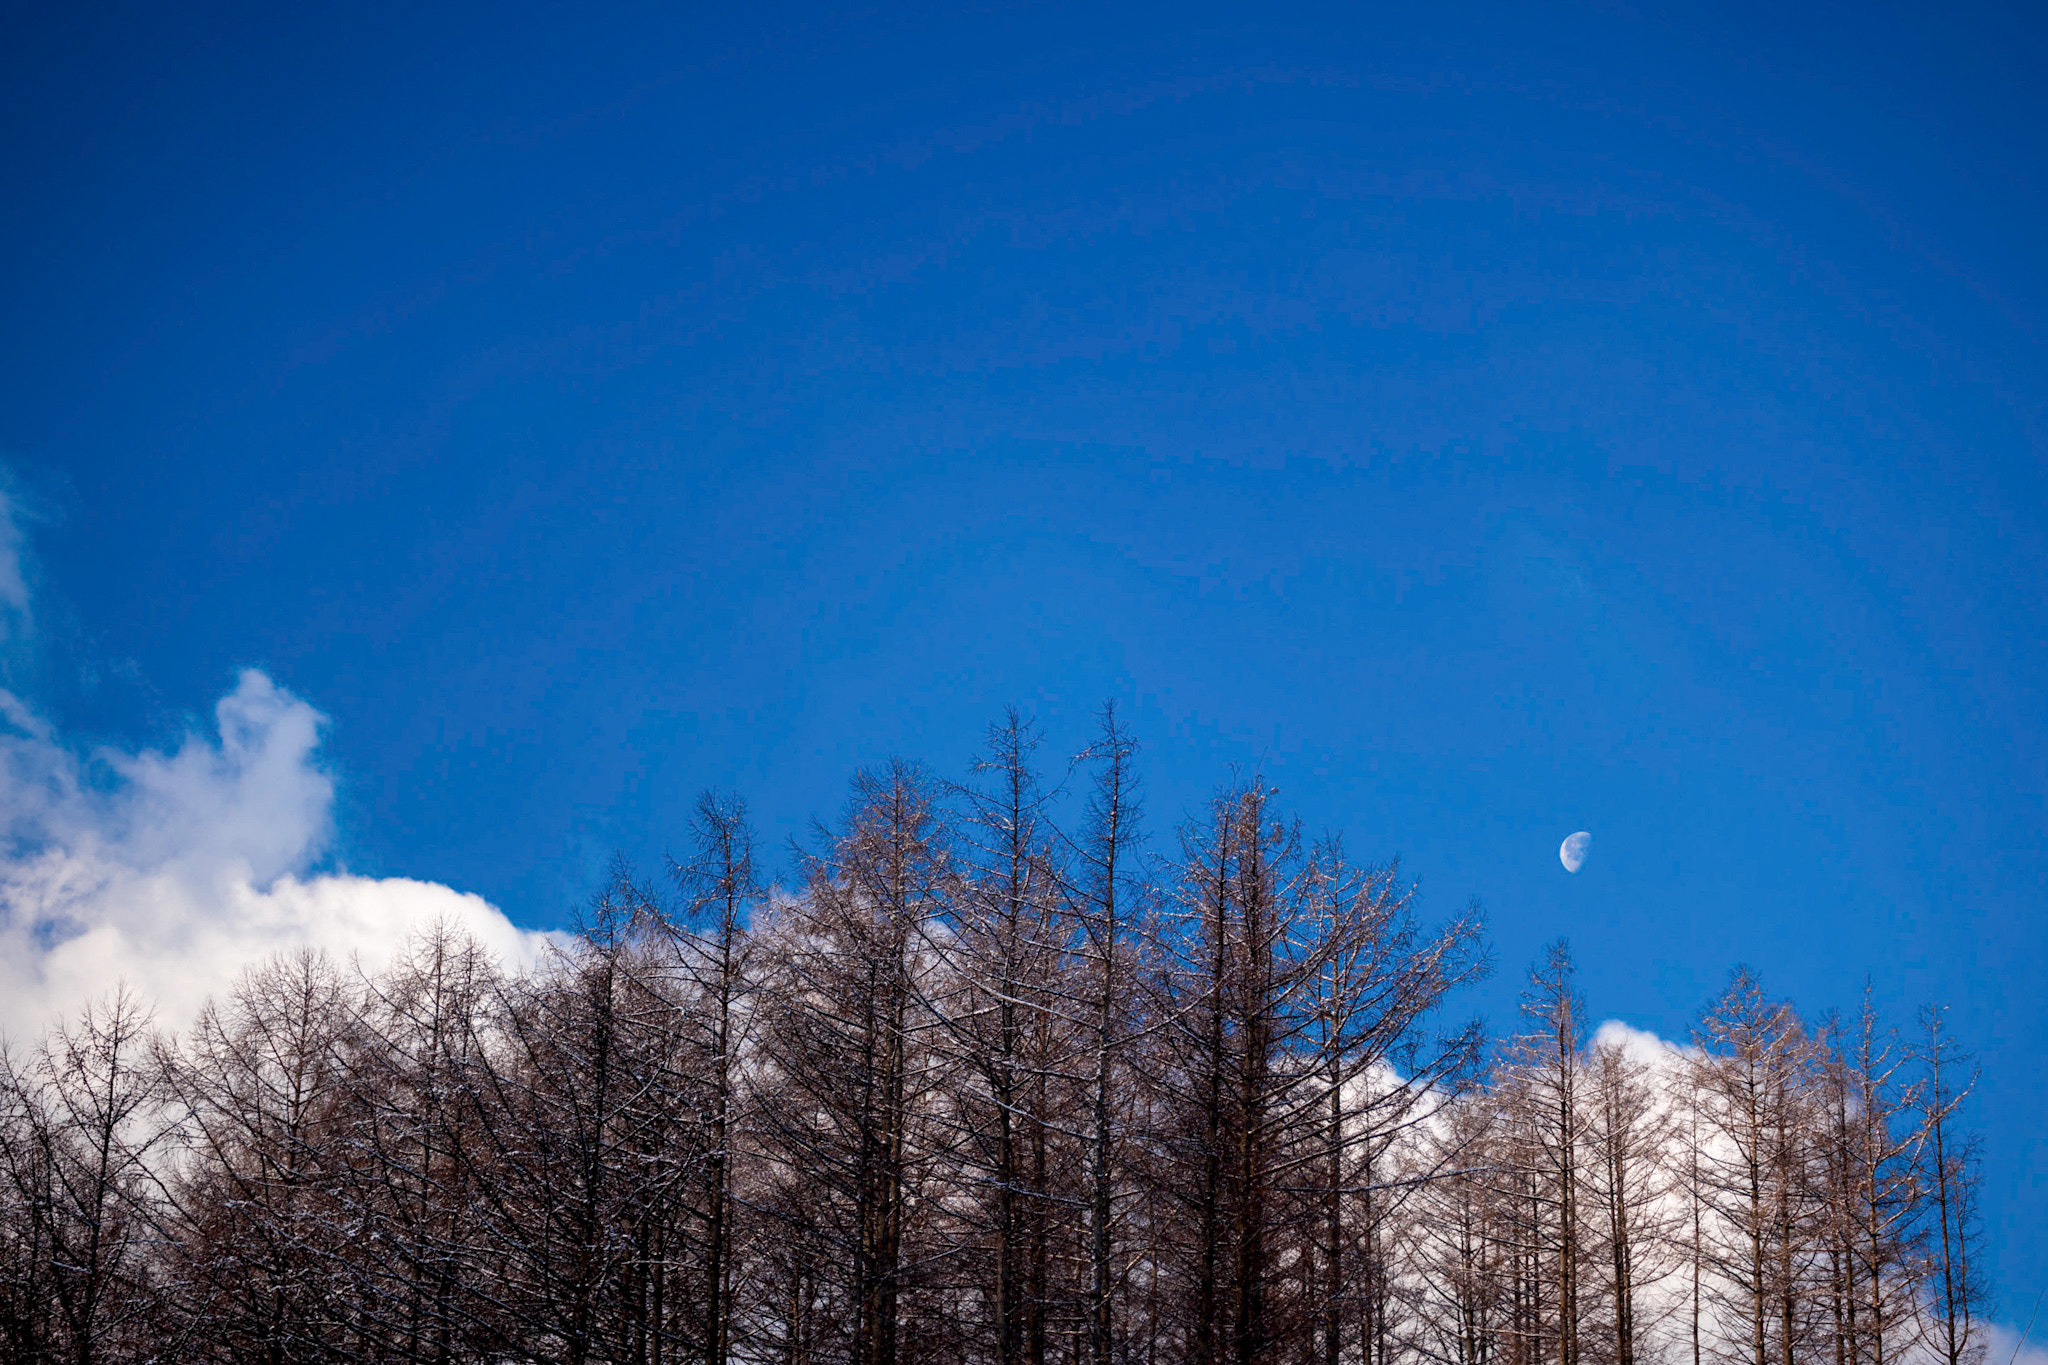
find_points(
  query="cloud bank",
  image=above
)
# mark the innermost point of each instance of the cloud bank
(173, 872)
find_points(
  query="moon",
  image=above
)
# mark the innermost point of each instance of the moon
(1572, 852)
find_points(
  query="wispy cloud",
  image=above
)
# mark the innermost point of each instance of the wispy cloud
(14, 617)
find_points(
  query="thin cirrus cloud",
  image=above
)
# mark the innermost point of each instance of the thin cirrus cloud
(172, 873)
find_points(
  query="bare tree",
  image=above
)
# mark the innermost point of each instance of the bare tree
(1375, 1072)
(585, 1142)
(1757, 1101)
(260, 1086)
(28, 1327)
(1217, 1068)
(1631, 1139)
(82, 1128)
(1873, 1187)
(1545, 1114)
(852, 1084)
(1293, 1060)
(722, 890)
(1461, 1244)
(1006, 1010)
(1108, 908)
(1950, 1175)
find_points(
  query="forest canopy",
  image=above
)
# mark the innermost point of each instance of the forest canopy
(990, 1083)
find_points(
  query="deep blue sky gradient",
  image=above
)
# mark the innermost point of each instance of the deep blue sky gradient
(1492, 421)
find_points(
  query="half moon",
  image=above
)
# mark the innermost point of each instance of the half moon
(1572, 852)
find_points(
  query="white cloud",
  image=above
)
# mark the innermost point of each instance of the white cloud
(2005, 1347)
(175, 871)
(1640, 1046)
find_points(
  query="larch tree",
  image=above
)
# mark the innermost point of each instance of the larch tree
(1952, 1292)
(259, 1093)
(721, 889)
(1541, 1088)
(853, 1083)
(1632, 1145)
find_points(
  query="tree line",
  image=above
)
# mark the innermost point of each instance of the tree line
(983, 1087)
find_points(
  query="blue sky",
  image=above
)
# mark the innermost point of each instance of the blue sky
(1491, 422)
